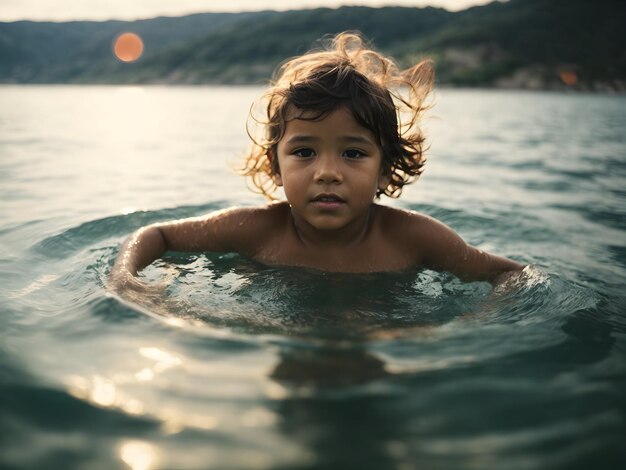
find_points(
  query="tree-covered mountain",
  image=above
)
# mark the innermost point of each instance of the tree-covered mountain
(250, 50)
(49, 52)
(518, 43)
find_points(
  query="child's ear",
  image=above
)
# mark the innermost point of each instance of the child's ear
(278, 181)
(384, 179)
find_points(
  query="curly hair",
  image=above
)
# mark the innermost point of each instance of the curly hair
(346, 72)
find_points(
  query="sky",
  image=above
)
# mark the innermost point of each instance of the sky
(66, 10)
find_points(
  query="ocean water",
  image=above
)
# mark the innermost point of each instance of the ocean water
(233, 364)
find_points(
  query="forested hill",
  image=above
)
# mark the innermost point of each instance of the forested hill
(539, 44)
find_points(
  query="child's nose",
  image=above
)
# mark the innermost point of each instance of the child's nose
(328, 170)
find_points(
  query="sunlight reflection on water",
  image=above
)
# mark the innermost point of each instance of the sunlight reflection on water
(139, 455)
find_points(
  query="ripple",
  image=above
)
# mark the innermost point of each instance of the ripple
(617, 253)
(284, 363)
(32, 414)
(86, 234)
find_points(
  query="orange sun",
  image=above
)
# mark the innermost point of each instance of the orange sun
(128, 47)
(568, 77)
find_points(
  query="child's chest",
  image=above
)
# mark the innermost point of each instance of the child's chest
(370, 256)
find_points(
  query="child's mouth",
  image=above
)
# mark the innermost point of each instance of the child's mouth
(328, 201)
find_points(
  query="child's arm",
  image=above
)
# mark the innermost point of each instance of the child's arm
(218, 232)
(444, 250)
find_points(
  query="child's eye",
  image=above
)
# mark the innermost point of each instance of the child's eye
(353, 154)
(303, 153)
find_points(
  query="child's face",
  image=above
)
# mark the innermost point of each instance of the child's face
(330, 170)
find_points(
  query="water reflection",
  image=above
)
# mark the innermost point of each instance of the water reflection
(116, 391)
(138, 455)
(342, 429)
(231, 291)
(163, 359)
(328, 367)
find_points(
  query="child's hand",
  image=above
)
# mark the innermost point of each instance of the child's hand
(505, 286)
(511, 281)
(124, 284)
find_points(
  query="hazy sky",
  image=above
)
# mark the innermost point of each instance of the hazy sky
(63, 10)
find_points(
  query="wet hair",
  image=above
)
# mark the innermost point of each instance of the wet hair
(345, 73)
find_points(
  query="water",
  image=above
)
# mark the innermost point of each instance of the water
(238, 365)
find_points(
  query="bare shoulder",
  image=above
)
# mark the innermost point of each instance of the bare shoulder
(260, 217)
(420, 236)
(257, 227)
(411, 225)
(248, 216)
(244, 228)
(434, 245)
(240, 229)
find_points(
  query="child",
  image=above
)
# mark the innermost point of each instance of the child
(334, 141)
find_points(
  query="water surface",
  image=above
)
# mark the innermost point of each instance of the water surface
(239, 365)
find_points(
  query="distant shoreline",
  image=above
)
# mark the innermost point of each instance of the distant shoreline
(551, 45)
(442, 87)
